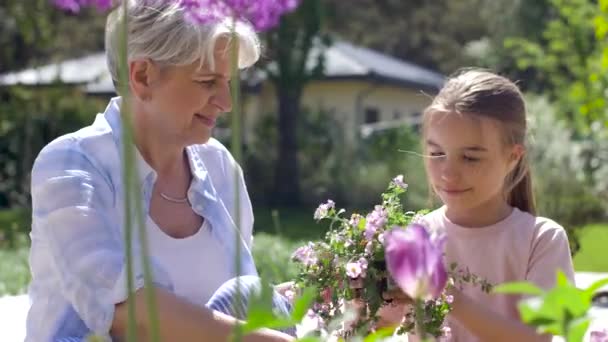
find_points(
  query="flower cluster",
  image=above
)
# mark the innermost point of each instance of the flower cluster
(262, 14)
(362, 257)
(75, 6)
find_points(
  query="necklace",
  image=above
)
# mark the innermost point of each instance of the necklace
(173, 199)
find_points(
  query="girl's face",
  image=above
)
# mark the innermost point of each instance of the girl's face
(468, 162)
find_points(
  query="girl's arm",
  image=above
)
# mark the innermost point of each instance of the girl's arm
(488, 325)
(182, 321)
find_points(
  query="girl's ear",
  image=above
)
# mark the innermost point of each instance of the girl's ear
(517, 153)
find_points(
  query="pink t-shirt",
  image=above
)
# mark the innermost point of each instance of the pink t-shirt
(521, 247)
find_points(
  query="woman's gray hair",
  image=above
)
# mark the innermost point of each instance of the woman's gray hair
(161, 31)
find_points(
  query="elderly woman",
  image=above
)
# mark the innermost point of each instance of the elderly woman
(179, 79)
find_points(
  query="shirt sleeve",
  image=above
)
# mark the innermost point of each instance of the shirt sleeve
(74, 221)
(550, 253)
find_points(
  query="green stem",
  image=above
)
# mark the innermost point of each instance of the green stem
(132, 198)
(419, 307)
(127, 170)
(237, 153)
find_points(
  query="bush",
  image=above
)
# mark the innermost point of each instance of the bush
(330, 168)
(561, 191)
(29, 119)
(272, 256)
(15, 225)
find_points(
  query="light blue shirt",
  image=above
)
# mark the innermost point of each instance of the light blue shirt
(77, 257)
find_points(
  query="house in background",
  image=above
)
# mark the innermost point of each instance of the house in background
(364, 89)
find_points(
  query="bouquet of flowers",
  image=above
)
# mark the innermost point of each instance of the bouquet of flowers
(363, 257)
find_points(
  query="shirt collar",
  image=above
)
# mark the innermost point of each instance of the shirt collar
(112, 115)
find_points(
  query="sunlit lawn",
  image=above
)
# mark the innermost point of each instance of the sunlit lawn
(276, 238)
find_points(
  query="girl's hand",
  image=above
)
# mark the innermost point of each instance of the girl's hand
(397, 296)
(392, 312)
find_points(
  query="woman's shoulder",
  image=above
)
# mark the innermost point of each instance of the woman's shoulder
(91, 146)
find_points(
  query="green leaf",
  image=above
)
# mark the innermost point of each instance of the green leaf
(518, 288)
(577, 329)
(303, 303)
(531, 316)
(380, 334)
(590, 291)
(562, 280)
(309, 339)
(260, 313)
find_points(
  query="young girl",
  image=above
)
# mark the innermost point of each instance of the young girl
(474, 135)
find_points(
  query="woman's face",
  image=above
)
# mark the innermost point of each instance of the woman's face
(183, 102)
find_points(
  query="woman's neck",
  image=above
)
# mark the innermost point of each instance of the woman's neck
(167, 158)
(485, 215)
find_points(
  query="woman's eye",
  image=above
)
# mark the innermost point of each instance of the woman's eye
(471, 159)
(437, 154)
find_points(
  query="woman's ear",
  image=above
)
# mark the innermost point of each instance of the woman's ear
(142, 75)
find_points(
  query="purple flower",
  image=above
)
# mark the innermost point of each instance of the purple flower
(415, 261)
(599, 335)
(262, 14)
(305, 254)
(398, 181)
(323, 210)
(374, 221)
(75, 6)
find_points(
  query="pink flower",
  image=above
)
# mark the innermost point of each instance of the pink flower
(398, 181)
(599, 335)
(368, 248)
(354, 220)
(305, 254)
(353, 269)
(415, 261)
(449, 299)
(323, 210)
(374, 221)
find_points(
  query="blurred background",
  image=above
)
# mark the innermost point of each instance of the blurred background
(333, 108)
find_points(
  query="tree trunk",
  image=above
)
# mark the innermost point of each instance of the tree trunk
(287, 178)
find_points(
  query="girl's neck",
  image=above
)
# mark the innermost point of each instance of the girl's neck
(485, 215)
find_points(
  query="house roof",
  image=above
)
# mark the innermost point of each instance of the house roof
(342, 61)
(345, 60)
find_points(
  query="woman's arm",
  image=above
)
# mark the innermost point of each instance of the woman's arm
(183, 321)
(488, 325)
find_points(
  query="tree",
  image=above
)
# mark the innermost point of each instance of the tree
(429, 33)
(571, 56)
(290, 46)
(33, 32)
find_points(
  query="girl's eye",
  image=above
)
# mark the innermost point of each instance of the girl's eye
(437, 154)
(206, 83)
(471, 159)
